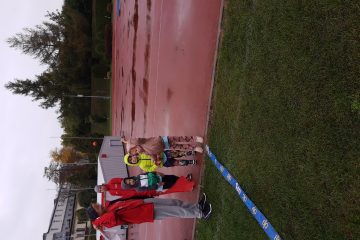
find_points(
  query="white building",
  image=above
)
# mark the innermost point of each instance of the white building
(62, 217)
(79, 228)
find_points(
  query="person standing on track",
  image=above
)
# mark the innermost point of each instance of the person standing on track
(177, 145)
(147, 210)
(171, 183)
(148, 164)
(161, 183)
(115, 189)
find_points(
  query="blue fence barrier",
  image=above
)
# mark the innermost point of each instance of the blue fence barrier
(117, 7)
(255, 212)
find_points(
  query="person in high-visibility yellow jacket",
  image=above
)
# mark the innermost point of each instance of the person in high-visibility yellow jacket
(148, 164)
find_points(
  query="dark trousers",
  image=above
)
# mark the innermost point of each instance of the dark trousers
(169, 181)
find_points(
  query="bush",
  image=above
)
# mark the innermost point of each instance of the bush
(86, 197)
(81, 215)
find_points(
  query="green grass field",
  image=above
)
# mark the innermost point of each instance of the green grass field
(285, 120)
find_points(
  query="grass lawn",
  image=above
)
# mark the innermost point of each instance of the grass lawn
(285, 120)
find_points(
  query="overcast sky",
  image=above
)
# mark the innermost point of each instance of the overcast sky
(26, 202)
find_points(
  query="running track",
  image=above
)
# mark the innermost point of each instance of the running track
(163, 61)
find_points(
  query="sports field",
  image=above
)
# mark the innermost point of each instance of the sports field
(284, 115)
(285, 120)
(163, 58)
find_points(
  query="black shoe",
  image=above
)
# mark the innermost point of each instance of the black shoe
(202, 201)
(206, 211)
(189, 177)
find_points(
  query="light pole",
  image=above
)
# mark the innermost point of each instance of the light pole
(79, 163)
(87, 96)
(80, 189)
(85, 138)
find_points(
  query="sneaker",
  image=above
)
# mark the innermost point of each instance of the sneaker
(199, 149)
(187, 162)
(199, 139)
(189, 177)
(206, 211)
(202, 201)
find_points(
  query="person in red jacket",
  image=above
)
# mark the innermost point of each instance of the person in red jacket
(147, 210)
(115, 189)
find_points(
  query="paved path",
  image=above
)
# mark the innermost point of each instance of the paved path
(163, 57)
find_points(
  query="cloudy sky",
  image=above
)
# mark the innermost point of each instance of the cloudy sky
(26, 199)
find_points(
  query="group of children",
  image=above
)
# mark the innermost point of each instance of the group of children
(137, 202)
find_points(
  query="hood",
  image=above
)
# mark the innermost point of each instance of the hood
(127, 186)
(126, 160)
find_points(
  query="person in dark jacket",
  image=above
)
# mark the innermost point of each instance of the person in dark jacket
(159, 182)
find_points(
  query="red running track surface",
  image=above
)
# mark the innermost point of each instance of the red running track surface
(163, 61)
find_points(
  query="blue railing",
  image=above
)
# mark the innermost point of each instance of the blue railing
(255, 212)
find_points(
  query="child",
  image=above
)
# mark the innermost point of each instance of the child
(184, 145)
(149, 164)
(114, 188)
(158, 181)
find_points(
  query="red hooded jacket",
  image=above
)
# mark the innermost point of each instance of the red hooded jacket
(126, 212)
(114, 188)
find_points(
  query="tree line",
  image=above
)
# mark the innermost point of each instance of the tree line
(63, 43)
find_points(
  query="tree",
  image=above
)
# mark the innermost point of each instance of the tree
(46, 87)
(84, 145)
(43, 41)
(84, 198)
(67, 154)
(61, 174)
(63, 42)
(53, 173)
(85, 176)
